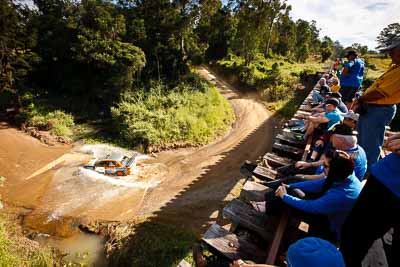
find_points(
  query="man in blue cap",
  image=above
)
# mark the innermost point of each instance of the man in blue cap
(307, 252)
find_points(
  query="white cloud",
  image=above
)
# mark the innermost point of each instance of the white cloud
(349, 21)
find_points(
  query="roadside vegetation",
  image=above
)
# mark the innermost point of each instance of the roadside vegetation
(185, 115)
(17, 250)
(277, 79)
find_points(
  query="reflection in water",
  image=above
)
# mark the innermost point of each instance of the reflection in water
(81, 248)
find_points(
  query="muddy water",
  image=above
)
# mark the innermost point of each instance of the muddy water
(56, 198)
(81, 249)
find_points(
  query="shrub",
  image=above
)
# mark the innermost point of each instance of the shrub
(184, 115)
(57, 122)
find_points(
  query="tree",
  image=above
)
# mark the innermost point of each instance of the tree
(389, 33)
(338, 49)
(303, 33)
(286, 34)
(16, 39)
(326, 48)
(362, 49)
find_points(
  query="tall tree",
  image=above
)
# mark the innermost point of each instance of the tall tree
(304, 35)
(326, 48)
(389, 33)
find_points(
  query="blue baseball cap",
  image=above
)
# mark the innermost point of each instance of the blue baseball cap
(314, 252)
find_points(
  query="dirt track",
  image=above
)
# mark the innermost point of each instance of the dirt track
(193, 182)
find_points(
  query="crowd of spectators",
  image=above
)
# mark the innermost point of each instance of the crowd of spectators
(350, 195)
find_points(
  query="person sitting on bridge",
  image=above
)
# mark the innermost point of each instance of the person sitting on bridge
(328, 201)
(376, 210)
(306, 252)
(351, 119)
(335, 88)
(320, 91)
(330, 117)
(342, 107)
(343, 138)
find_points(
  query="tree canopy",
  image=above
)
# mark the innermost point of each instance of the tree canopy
(97, 49)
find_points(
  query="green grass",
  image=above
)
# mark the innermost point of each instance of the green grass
(154, 244)
(275, 78)
(376, 65)
(14, 251)
(183, 115)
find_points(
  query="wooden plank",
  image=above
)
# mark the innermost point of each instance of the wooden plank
(253, 191)
(305, 113)
(286, 149)
(307, 148)
(291, 134)
(275, 160)
(231, 246)
(306, 108)
(290, 141)
(248, 218)
(264, 173)
(283, 222)
(276, 242)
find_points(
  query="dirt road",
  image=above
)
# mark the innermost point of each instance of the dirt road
(200, 180)
(186, 185)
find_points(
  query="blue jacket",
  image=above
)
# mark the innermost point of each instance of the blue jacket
(387, 171)
(355, 76)
(336, 203)
(360, 161)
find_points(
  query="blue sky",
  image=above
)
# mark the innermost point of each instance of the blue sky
(349, 21)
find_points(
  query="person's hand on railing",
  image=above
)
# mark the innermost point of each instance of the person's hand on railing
(281, 191)
(302, 165)
(392, 143)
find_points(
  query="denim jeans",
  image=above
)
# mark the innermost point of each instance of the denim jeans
(371, 129)
(317, 97)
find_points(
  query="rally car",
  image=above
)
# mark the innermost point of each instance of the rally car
(114, 164)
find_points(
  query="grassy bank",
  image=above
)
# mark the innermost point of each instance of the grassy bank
(184, 115)
(188, 113)
(277, 79)
(152, 243)
(17, 250)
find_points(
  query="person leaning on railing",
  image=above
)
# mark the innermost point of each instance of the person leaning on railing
(376, 210)
(377, 106)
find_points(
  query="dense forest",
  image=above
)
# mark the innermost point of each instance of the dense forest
(108, 59)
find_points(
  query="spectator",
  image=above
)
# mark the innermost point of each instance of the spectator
(342, 107)
(332, 200)
(307, 252)
(376, 210)
(352, 76)
(377, 106)
(330, 117)
(318, 95)
(351, 119)
(335, 85)
(342, 137)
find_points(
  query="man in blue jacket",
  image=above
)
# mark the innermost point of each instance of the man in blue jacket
(336, 194)
(352, 77)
